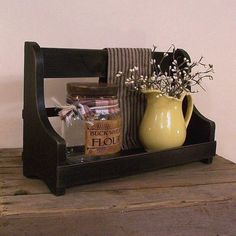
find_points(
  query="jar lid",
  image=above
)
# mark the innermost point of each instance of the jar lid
(91, 89)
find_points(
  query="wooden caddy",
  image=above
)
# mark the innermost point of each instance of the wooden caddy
(44, 151)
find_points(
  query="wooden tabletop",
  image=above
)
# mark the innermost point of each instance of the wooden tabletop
(194, 199)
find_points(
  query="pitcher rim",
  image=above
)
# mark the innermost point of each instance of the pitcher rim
(148, 91)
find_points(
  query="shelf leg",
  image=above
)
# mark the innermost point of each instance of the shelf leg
(28, 173)
(208, 160)
(58, 191)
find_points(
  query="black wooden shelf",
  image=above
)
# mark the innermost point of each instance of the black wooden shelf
(44, 151)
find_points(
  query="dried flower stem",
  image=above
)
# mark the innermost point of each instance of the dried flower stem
(178, 79)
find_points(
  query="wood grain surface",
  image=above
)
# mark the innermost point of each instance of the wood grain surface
(193, 199)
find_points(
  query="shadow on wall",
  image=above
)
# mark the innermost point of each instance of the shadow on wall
(11, 103)
(11, 90)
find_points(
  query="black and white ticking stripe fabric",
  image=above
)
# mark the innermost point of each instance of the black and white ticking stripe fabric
(132, 104)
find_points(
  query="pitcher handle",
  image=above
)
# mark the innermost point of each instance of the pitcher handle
(189, 109)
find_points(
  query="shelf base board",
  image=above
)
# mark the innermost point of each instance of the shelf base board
(98, 170)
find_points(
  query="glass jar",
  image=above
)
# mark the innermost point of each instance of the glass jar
(93, 125)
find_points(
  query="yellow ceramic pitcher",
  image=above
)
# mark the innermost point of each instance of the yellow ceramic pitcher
(163, 125)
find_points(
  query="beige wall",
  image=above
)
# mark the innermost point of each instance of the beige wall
(202, 27)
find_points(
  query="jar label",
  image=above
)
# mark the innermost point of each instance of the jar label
(103, 137)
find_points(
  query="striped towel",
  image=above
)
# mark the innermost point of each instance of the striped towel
(132, 104)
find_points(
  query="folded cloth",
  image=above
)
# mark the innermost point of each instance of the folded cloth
(88, 107)
(132, 104)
